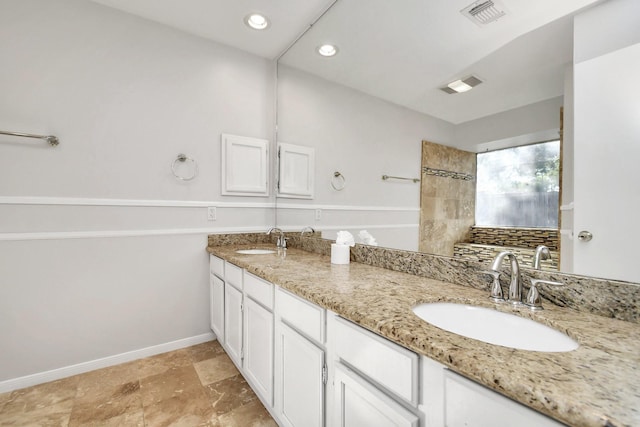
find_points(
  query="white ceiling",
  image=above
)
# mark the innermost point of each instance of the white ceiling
(223, 20)
(405, 51)
(402, 50)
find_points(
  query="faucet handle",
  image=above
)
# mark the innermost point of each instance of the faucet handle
(533, 297)
(283, 243)
(496, 288)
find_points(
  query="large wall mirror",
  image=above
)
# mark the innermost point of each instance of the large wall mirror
(396, 143)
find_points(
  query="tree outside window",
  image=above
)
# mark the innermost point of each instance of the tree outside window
(519, 187)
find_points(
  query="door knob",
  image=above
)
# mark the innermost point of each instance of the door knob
(585, 236)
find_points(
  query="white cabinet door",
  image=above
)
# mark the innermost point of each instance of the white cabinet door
(258, 348)
(359, 404)
(233, 323)
(299, 380)
(245, 166)
(216, 306)
(296, 171)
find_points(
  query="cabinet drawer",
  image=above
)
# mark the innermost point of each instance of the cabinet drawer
(468, 403)
(216, 265)
(387, 364)
(306, 317)
(258, 289)
(233, 275)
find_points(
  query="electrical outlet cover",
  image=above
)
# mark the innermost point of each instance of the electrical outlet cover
(211, 213)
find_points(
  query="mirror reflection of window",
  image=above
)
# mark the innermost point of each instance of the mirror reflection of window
(519, 187)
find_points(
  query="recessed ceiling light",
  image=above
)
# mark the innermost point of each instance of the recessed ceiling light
(459, 86)
(256, 21)
(327, 50)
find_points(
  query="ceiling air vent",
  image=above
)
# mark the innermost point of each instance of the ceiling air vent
(470, 81)
(484, 12)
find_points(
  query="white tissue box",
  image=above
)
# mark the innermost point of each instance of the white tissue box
(340, 254)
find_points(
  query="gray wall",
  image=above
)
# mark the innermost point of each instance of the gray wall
(102, 249)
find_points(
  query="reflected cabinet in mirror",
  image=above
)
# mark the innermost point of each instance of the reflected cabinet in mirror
(418, 91)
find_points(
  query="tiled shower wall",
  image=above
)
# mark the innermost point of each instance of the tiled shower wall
(486, 253)
(447, 205)
(516, 237)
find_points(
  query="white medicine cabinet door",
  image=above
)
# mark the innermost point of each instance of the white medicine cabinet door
(233, 323)
(245, 166)
(216, 307)
(258, 348)
(296, 171)
(299, 379)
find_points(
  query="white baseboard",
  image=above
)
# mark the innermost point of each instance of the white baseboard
(67, 371)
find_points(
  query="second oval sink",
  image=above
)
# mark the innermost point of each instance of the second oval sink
(494, 327)
(255, 251)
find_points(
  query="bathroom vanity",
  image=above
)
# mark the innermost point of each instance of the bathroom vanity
(339, 345)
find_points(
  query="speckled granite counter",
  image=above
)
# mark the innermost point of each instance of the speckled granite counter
(596, 385)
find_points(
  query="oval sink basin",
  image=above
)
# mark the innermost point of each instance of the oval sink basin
(494, 327)
(255, 251)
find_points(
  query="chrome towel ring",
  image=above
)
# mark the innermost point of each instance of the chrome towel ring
(338, 181)
(182, 159)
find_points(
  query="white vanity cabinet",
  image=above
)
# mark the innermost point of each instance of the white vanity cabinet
(258, 336)
(300, 370)
(233, 307)
(312, 368)
(242, 319)
(375, 382)
(216, 296)
(233, 323)
(452, 400)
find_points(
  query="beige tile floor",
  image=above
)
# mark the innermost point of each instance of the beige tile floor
(191, 387)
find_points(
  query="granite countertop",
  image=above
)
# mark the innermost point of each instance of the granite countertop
(596, 385)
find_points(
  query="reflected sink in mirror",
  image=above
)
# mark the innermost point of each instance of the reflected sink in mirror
(255, 251)
(495, 327)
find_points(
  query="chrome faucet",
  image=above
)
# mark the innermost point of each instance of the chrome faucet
(282, 242)
(515, 287)
(542, 253)
(307, 228)
(534, 301)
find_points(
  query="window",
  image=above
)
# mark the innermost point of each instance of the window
(519, 187)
